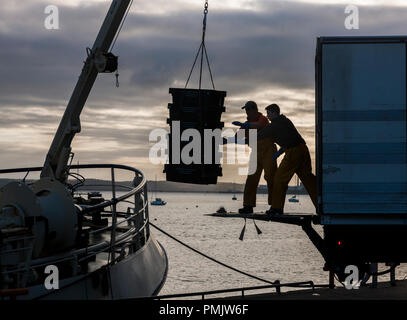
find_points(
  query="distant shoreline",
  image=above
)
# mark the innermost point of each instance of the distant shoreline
(168, 186)
(167, 191)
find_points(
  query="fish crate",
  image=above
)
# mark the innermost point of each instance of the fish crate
(202, 105)
(198, 109)
(194, 173)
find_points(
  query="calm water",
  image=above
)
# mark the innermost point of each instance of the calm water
(281, 252)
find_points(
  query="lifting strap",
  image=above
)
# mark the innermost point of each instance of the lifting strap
(202, 51)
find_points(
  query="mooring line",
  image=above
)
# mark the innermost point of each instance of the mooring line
(210, 258)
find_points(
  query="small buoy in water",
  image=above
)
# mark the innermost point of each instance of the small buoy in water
(221, 210)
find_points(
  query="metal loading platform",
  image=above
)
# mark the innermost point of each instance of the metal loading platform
(290, 218)
(336, 255)
(303, 220)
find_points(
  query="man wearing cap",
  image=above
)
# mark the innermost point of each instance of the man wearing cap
(265, 151)
(296, 159)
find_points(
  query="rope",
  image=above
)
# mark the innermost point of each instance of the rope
(210, 258)
(121, 26)
(193, 65)
(202, 51)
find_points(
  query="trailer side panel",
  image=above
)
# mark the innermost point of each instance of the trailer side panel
(361, 101)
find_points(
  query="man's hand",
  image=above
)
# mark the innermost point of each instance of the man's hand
(245, 125)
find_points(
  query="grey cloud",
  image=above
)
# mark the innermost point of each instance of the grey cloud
(249, 51)
(10, 119)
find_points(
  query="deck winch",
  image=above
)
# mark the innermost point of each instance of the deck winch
(46, 208)
(105, 62)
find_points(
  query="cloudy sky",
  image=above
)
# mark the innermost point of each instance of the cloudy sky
(260, 50)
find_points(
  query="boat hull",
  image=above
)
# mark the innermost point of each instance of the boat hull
(140, 274)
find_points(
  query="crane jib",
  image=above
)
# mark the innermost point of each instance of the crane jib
(98, 60)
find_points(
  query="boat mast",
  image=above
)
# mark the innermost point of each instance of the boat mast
(155, 188)
(99, 60)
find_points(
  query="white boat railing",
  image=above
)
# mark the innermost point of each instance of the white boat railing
(137, 219)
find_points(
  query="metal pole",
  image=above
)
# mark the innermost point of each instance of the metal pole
(393, 274)
(373, 269)
(146, 214)
(114, 220)
(331, 279)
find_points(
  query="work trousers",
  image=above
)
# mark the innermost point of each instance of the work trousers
(265, 151)
(296, 160)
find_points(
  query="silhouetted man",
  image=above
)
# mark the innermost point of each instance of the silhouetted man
(265, 151)
(296, 158)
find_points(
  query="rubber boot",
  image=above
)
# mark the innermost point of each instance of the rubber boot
(246, 210)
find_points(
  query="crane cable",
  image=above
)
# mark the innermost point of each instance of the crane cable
(202, 51)
(115, 39)
(121, 26)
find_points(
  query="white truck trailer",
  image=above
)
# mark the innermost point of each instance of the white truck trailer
(361, 149)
